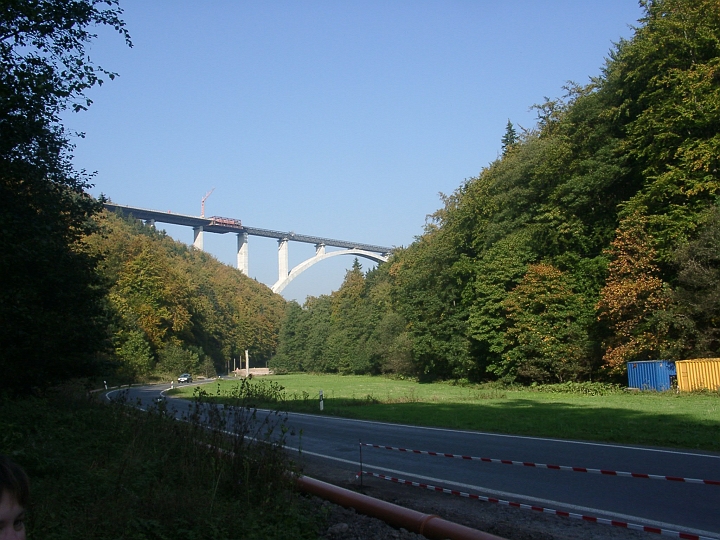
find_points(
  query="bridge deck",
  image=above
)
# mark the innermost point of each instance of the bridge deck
(232, 225)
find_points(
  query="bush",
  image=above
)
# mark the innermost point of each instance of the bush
(584, 388)
(174, 360)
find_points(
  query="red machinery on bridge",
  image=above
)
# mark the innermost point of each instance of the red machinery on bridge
(231, 223)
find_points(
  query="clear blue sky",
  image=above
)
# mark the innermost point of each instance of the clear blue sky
(328, 118)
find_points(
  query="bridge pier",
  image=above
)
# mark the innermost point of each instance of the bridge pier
(283, 268)
(242, 253)
(198, 238)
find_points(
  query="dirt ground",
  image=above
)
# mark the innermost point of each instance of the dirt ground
(503, 521)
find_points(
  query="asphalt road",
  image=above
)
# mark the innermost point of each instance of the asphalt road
(679, 506)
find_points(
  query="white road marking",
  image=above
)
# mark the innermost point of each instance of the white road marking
(515, 496)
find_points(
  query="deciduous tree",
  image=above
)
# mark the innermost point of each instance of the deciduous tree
(52, 319)
(697, 293)
(633, 297)
(547, 337)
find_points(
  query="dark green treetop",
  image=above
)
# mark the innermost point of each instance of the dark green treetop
(510, 138)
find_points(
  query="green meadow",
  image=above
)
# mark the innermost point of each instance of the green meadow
(588, 411)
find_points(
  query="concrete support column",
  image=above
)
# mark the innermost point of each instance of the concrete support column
(242, 253)
(198, 240)
(150, 223)
(319, 250)
(282, 259)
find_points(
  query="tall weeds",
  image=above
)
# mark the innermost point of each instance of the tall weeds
(114, 471)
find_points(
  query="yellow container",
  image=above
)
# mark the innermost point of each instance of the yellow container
(698, 374)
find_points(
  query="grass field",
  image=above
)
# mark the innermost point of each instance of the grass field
(649, 418)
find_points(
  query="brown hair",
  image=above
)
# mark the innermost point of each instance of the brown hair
(14, 481)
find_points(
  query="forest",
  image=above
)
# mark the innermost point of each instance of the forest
(174, 309)
(593, 240)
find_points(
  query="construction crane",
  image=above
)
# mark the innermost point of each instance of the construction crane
(202, 204)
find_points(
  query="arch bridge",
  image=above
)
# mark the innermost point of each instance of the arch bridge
(221, 225)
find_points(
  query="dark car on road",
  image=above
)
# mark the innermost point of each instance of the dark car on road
(185, 377)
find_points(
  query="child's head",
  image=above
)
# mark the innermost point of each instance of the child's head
(14, 498)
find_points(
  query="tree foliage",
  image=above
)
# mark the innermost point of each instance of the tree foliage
(696, 299)
(510, 139)
(547, 337)
(176, 309)
(588, 243)
(666, 84)
(633, 296)
(52, 316)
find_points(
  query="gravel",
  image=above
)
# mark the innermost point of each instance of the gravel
(346, 524)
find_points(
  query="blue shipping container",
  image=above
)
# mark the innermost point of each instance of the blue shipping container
(651, 375)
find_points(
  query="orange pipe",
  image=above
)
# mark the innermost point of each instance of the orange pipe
(429, 525)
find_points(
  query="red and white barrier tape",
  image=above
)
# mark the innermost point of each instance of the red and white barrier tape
(554, 467)
(593, 519)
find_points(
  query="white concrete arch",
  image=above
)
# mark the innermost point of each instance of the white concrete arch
(321, 254)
